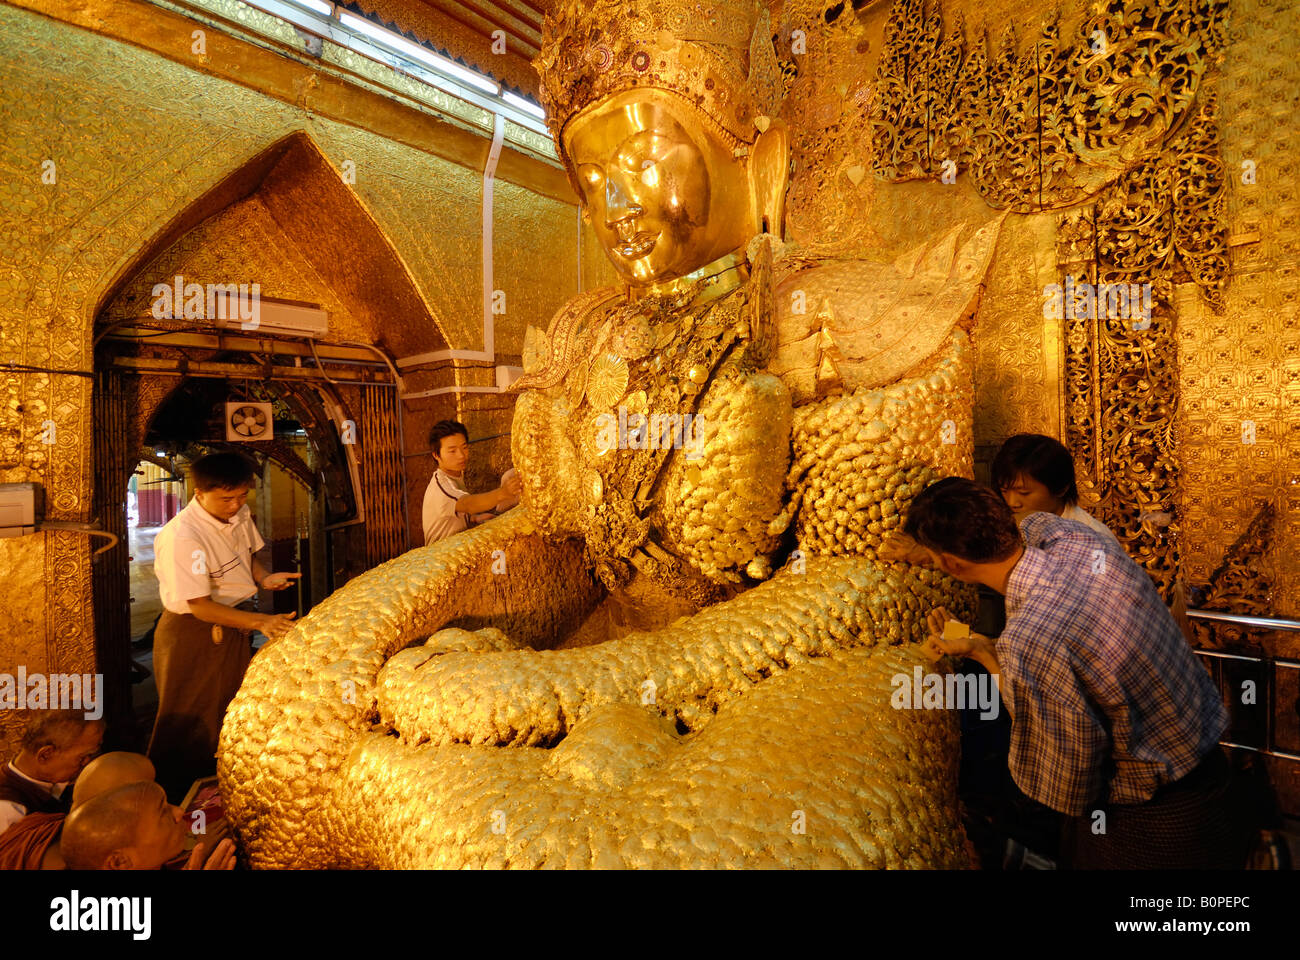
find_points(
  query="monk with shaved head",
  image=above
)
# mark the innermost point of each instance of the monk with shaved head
(133, 828)
(109, 772)
(36, 841)
(33, 842)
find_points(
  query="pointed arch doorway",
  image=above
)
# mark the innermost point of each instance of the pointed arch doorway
(285, 220)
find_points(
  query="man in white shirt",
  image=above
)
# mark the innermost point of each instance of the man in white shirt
(448, 507)
(56, 746)
(207, 577)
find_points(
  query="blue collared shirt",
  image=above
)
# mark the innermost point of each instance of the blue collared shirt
(1109, 703)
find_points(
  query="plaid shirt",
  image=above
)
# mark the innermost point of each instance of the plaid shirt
(1108, 701)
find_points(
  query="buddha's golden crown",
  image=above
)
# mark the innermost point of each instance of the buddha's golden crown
(715, 54)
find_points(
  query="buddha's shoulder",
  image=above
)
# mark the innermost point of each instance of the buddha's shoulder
(548, 354)
(594, 301)
(874, 319)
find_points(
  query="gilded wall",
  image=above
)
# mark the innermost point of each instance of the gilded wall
(242, 243)
(1239, 372)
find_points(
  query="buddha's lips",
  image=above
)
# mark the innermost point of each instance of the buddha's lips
(636, 247)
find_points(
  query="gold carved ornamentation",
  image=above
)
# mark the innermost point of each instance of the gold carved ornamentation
(1051, 126)
(1120, 115)
(1122, 371)
(1240, 584)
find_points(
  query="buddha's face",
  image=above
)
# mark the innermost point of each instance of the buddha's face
(663, 192)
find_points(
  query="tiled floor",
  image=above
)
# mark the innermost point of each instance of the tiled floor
(145, 605)
(145, 608)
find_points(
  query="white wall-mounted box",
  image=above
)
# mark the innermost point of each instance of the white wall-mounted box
(508, 375)
(21, 508)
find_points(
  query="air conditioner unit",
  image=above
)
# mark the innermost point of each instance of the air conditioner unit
(246, 314)
(21, 507)
(249, 422)
(508, 375)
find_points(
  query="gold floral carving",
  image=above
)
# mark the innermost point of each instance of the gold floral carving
(1240, 584)
(1122, 372)
(1048, 127)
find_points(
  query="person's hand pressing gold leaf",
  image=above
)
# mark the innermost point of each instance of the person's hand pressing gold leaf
(900, 548)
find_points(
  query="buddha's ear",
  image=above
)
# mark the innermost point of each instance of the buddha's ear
(769, 175)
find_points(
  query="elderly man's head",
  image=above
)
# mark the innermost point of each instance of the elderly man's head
(57, 744)
(131, 827)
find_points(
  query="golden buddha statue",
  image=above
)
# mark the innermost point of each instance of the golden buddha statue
(665, 697)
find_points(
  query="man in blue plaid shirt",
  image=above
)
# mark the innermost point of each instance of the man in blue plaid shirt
(1114, 721)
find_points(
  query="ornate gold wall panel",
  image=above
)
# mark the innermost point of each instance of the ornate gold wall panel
(1241, 583)
(1243, 366)
(23, 611)
(1047, 125)
(242, 244)
(1162, 219)
(1118, 103)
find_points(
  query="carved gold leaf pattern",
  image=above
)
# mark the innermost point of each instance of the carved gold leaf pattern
(575, 385)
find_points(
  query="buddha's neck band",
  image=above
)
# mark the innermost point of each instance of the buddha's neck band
(712, 281)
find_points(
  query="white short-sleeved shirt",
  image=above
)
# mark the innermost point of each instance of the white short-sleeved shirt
(1077, 513)
(197, 554)
(439, 515)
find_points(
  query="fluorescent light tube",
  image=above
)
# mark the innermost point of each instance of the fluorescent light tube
(415, 51)
(519, 103)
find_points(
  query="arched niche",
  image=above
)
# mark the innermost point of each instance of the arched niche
(340, 259)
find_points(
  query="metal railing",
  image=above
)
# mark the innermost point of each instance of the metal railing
(1247, 620)
(1270, 665)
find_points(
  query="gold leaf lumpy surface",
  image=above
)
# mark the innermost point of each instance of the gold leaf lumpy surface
(811, 769)
(756, 732)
